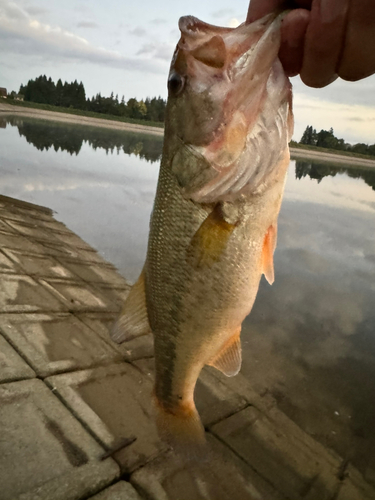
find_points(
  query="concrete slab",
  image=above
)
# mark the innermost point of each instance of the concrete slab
(54, 250)
(239, 384)
(138, 348)
(55, 225)
(12, 213)
(70, 239)
(54, 343)
(20, 293)
(119, 491)
(6, 227)
(94, 273)
(12, 366)
(6, 264)
(18, 242)
(7, 213)
(73, 254)
(290, 465)
(43, 227)
(115, 403)
(115, 294)
(32, 230)
(45, 453)
(13, 205)
(79, 296)
(40, 266)
(355, 487)
(222, 476)
(213, 399)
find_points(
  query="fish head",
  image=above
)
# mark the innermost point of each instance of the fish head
(221, 83)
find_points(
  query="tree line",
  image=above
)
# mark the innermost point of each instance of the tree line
(316, 170)
(73, 95)
(60, 137)
(327, 139)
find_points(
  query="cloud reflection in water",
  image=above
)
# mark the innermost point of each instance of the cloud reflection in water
(310, 339)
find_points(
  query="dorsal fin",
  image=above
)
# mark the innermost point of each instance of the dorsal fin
(269, 246)
(228, 359)
(133, 319)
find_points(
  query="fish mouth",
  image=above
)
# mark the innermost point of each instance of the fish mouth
(245, 46)
(259, 48)
(240, 99)
(243, 56)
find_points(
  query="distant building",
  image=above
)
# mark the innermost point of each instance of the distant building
(18, 97)
(3, 92)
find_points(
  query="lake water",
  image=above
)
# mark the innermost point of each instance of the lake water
(310, 339)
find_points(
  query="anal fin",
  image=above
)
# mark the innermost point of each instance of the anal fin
(229, 358)
(133, 319)
(269, 246)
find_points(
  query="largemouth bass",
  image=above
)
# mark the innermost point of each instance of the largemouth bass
(214, 222)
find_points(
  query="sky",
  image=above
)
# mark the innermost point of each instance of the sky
(126, 47)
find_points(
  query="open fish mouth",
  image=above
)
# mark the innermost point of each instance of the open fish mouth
(235, 101)
(248, 47)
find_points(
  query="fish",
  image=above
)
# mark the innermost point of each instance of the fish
(213, 226)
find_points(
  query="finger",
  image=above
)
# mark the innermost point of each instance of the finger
(259, 8)
(358, 57)
(293, 29)
(323, 42)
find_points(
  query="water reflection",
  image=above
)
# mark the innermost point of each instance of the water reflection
(318, 170)
(45, 135)
(309, 340)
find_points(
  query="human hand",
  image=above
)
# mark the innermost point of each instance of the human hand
(324, 39)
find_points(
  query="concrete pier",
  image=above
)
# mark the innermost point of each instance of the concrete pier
(68, 395)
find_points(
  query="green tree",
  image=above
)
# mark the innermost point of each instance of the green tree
(309, 136)
(59, 93)
(326, 139)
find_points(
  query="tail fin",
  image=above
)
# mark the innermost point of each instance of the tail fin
(182, 429)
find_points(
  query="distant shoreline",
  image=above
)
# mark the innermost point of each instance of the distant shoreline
(42, 114)
(296, 153)
(349, 161)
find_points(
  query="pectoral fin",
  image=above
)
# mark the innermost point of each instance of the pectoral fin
(229, 358)
(133, 319)
(211, 239)
(269, 246)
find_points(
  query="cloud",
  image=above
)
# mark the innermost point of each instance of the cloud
(138, 31)
(360, 119)
(162, 51)
(233, 23)
(87, 24)
(352, 122)
(158, 21)
(359, 93)
(222, 13)
(35, 11)
(21, 34)
(11, 11)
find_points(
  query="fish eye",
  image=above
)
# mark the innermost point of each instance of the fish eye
(175, 84)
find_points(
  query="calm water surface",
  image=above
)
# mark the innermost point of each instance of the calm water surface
(310, 339)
